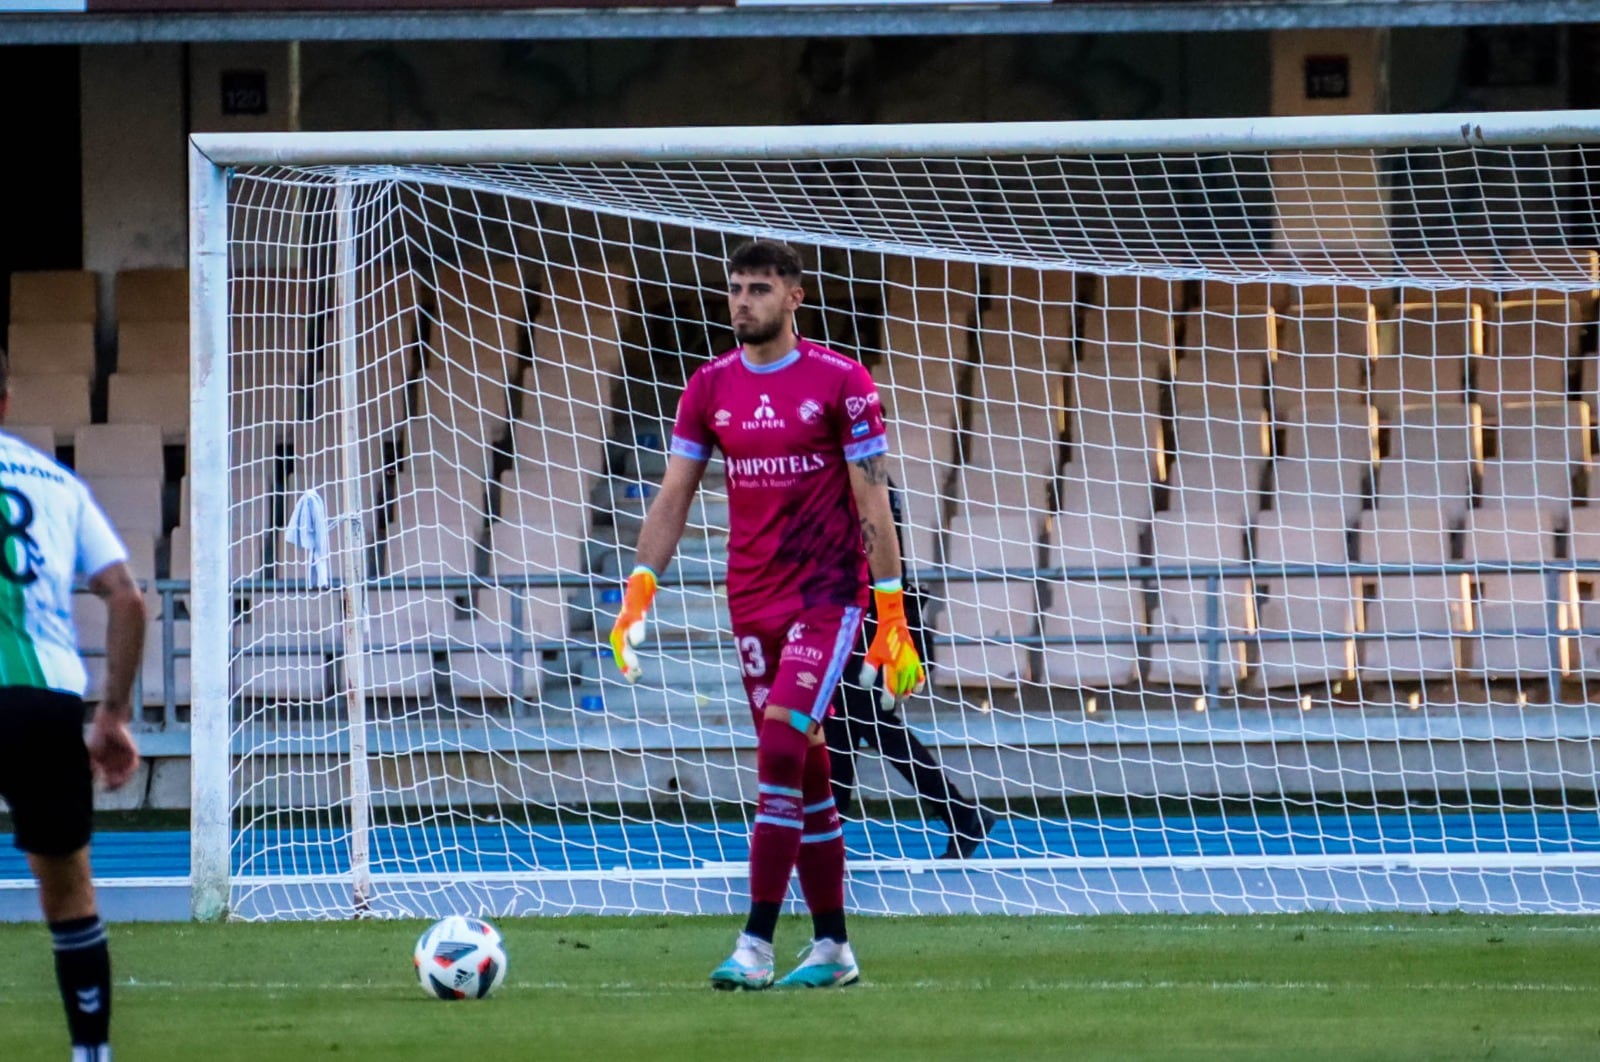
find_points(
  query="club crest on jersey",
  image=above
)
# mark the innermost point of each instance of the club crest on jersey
(765, 416)
(810, 410)
(855, 405)
(722, 418)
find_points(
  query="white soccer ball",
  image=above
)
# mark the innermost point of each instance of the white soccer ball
(460, 958)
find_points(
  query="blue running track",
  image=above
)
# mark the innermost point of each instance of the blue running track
(596, 845)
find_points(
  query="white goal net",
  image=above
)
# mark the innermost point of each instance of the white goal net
(1249, 486)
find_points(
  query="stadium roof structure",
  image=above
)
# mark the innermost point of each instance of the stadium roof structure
(150, 21)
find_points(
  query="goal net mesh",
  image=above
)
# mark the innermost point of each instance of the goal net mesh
(1249, 496)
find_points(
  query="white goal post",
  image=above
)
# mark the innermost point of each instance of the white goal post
(1248, 467)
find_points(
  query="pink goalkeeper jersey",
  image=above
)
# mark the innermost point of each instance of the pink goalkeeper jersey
(786, 431)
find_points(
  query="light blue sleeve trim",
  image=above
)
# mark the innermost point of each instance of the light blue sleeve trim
(878, 444)
(689, 448)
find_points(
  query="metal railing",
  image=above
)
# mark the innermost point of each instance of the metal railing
(1213, 635)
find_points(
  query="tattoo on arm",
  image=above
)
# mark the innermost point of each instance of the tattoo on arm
(869, 534)
(874, 469)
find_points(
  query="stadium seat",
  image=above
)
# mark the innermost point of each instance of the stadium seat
(523, 549)
(60, 403)
(1421, 618)
(930, 307)
(1425, 349)
(132, 503)
(1204, 626)
(1323, 607)
(1219, 379)
(1113, 481)
(404, 627)
(1583, 547)
(1116, 387)
(151, 398)
(41, 437)
(1221, 459)
(1325, 352)
(1226, 359)
(55, 295)
(1028, 318)
(545, 495)
(1015, 456)
(1544, 449)
(118, 450)
(1519, 602)
(1434, 454)
(1091, 608)
(146, 295)
(285, 642)
(991, 608)
(153, 347)
(1327, 456)
(576, 330)
(1530, 351)
(46, 348)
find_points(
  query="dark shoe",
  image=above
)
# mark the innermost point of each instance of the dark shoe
(965, 838)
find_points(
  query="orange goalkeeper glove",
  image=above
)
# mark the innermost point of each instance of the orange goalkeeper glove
(628, 631)
(892, 650)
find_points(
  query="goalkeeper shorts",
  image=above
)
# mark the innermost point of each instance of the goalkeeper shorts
(794, 660)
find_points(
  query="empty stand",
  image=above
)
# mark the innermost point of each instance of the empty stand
(1203, 625)
(1091, 608)
(1421, 618)
(44, 348)
(1325, 352)
(1425, 348)
(1512, 606)
(60, 403)
(147, 295)
(985, 609)
(1531, 348)
(55, 295)
(1320, 610)
(1220, 462)
(1545, 448)
(1326, 458)
(1227, 359)
(1434, 456)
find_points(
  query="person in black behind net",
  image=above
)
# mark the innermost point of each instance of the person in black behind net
(860, 720)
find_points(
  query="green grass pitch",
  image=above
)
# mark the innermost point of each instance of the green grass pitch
(1282, 987)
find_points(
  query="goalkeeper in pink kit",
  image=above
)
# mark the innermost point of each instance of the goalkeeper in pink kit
(811, 535)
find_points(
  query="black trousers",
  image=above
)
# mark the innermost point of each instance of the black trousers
(858, 720)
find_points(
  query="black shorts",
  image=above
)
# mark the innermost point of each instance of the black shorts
(44, 770)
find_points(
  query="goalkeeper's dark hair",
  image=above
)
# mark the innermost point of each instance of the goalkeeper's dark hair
(764, 256)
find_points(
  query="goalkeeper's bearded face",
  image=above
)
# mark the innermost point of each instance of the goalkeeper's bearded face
(761, 305)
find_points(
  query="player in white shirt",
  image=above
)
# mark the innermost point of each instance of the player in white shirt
(52, 535)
